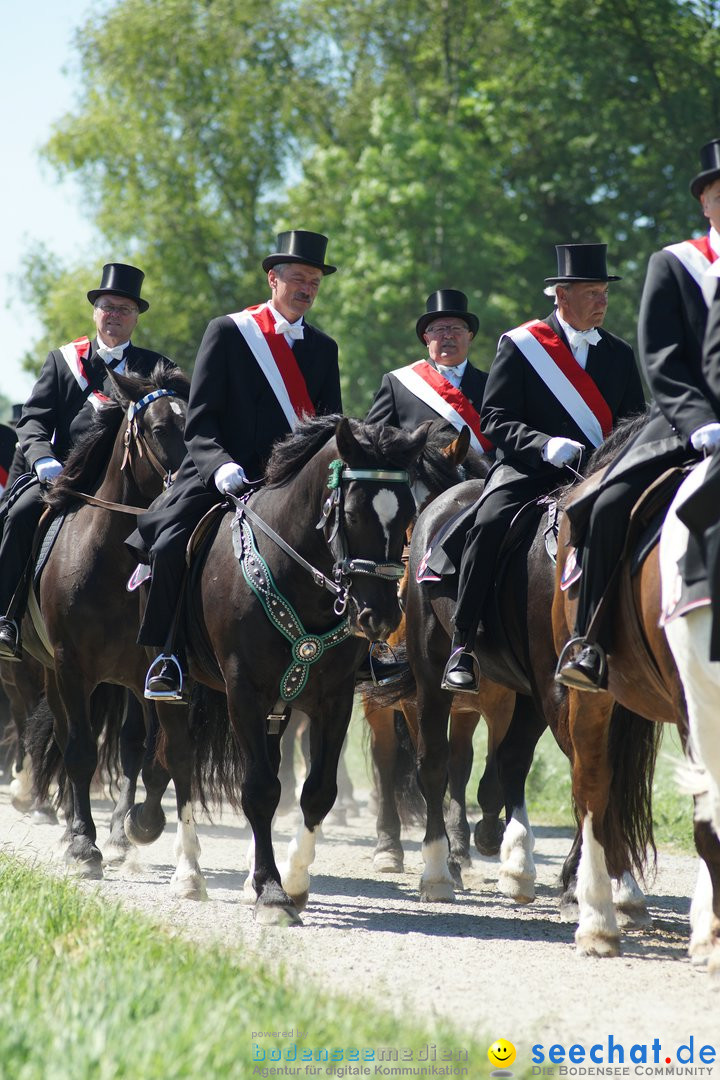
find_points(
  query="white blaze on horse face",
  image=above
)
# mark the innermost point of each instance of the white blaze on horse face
(386, 506)
(176, 408)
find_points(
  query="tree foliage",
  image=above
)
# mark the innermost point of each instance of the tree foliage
(439, 143)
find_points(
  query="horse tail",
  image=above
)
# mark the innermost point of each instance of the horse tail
(408, 797)
(108, 704)
(628, 826)
(45, 754)
(402, 687)
(218, 764)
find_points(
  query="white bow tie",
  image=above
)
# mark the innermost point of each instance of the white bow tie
(577, 337)
(111, 354)
(295, 331)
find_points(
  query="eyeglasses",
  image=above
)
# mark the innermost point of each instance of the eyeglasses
(447, 331)
(117, 309)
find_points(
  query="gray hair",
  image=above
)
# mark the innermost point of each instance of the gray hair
(278, 267)
(551, 290)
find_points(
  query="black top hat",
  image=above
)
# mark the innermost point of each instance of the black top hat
(450, 302)
(16, 413)
(710, 167)
(121, 280)
(300, 246)
(581, 262)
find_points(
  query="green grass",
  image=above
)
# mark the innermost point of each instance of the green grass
(90, 991)
(549, 784)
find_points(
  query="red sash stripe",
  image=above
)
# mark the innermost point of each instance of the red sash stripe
(82, 350)
(583, 383)
(455, 397)
(3, 478)
(286, 362)
(703, 246)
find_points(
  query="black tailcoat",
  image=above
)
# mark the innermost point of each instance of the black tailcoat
(395, 404)
(57, 412)
(233, 415)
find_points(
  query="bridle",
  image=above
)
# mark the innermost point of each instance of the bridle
(135, 441)
(331, 521)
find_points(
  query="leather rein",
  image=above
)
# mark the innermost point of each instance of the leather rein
(345, 566)
(134, 438)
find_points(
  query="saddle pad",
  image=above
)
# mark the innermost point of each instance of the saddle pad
(45, 545)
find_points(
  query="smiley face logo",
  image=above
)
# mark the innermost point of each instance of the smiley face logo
(502, 1053)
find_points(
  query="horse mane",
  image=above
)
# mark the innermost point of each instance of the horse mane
(616, 441)
(437, 471)
(90, 455)
(380, 442)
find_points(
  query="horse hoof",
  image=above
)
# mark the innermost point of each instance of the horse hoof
(277, 915)
(191, 887)
(589, 944)
(300, 901)
(44, 815)
(388, 862)
(87, 869)
(488, 837)
(569, 911)
(139, 832)
(22, 803)
(456, 873)
(521, 890)
(633, 918)
(437, 892)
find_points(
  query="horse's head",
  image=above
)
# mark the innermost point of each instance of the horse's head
(368, 508)
(153, 439)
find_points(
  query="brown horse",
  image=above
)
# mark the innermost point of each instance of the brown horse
(86, 635)
(642, 677)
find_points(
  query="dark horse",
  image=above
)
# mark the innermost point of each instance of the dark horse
(517, 652)
(338, 494)
(90, 620)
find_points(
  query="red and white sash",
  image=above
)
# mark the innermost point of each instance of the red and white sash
(697, 256)
(74, 353)
(276, 361)
(427, 384)
(576, 391)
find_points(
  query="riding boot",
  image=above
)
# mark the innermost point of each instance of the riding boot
(10, 646)
(587, 670)
(166, 678)
(379, 671)
(462, 671)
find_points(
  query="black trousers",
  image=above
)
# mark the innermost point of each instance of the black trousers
(20, 523)
(495, 512)
(163, 533)
(605, 539)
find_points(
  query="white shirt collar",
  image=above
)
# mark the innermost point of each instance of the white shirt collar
(453, 372)
(581, 351)
(277, 316)
(120, 367)
(714, 238)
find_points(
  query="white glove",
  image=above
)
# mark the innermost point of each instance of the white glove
(706, 437)
(561, 452)
(47, 468)
(230, 479)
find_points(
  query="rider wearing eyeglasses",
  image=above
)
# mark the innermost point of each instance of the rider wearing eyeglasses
(72, 386)
(446, 385)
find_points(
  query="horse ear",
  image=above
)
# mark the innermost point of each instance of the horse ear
(348, 446)
(456, 451)
(123, 390)
(418, 438)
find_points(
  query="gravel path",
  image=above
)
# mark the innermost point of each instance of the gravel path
(490, 967)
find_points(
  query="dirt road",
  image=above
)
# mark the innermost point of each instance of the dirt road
(492, 968)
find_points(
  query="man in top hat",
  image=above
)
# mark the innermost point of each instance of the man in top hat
(258, 371)
(555, 389)
(70, 389)
(684, 419)
(445, 386)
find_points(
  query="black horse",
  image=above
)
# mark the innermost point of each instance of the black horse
(275, 631)
(88, 626)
